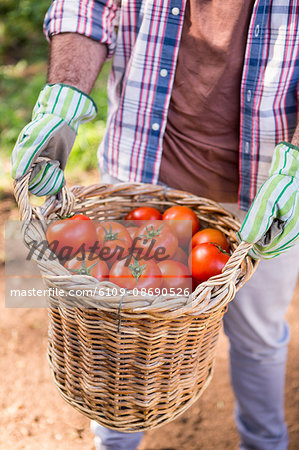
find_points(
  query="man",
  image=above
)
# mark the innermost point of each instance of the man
(202, 97)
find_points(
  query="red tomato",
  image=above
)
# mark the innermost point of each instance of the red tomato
(115, 241)
(144, 213)
(88, 264)
(194, 284)
(132, 230)
(189, 248)
(75, 217)
(176, 276)
(154, 240)
(67, 237)
(79, 217)
(181, 256)
(206, 260)
(179, 220)
(136, 274)
(210, 235)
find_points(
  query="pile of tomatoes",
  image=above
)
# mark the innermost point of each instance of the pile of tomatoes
(147, 250)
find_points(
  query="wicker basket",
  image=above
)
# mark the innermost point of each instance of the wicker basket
(132, 363)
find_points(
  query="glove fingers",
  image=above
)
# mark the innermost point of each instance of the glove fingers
(272, 201)
(47, 179)
(282, 242)
(256, 254)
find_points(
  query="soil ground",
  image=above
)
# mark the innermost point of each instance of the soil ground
(35, 417)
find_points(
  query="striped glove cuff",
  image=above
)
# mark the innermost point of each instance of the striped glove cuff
(66, 102)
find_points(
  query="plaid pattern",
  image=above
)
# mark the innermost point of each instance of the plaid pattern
(145, 54)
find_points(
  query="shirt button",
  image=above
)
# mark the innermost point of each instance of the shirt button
(175, 11)
(257, 30)
(248, 97)
(155, 126)
(246, 147)
(163, 72)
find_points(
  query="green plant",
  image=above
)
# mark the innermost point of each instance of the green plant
(21, 25)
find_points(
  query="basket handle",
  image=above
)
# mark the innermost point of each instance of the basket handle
(62, 202)
(236, 258)
(227, 277)
(228, 273)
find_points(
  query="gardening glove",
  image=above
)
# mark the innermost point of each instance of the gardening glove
(272, 222)
(58, 112)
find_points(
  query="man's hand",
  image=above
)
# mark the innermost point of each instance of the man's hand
(272, 223)
(59, 111)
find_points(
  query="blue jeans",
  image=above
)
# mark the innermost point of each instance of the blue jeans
(258, 334)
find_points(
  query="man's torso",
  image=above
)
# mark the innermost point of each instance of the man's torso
(201, 139)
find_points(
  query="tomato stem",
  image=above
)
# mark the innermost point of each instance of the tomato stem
(83, 269)
(151, 232)
(219, 248)
(136, 269)
(68, 216)
(110, 236)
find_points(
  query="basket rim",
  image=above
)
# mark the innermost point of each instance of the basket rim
(198, 302)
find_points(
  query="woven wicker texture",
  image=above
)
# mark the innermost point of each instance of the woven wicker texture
(132, 363)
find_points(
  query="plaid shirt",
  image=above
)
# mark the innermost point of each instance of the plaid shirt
(144, 37)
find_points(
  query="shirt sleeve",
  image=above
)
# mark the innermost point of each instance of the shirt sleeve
(91, 18)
